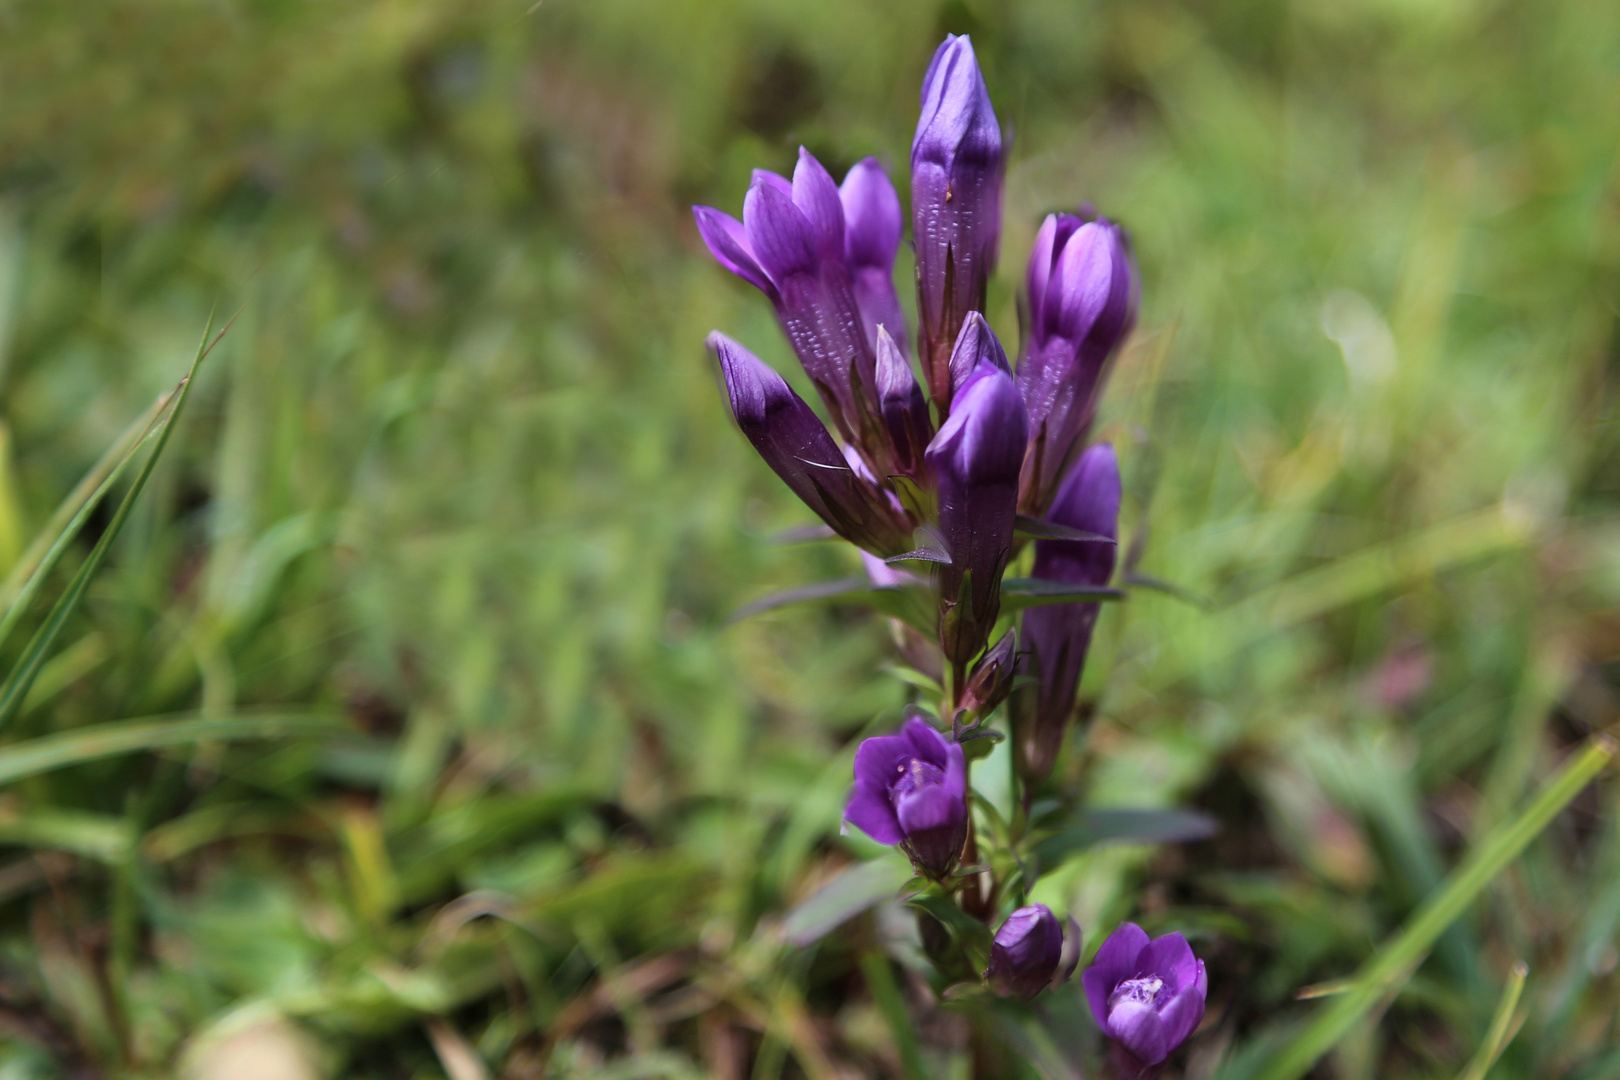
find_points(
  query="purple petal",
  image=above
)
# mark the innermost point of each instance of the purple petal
(1049, 244)
(927, 743)
(1180, 1017)
(772, 179)
(727, 241)
(975, 344)
(1171, 959)
(871, 812)
(1082, 282)
(879, 757)
(872, 220)
(1140, 1027)
(901, 401)
(778, 232)
(1116, 959)
(1089, 500)
(816, 196)
(927, 808)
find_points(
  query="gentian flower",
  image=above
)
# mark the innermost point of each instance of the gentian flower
(974, 460)
(956, 178)
(1147, 996)
(872, 223)
(911, 790)
(790, 245)
(1056, 637)
(1026, 952)
(1082, 301)
(794, 443)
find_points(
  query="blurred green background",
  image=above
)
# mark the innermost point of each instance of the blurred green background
(460, 476)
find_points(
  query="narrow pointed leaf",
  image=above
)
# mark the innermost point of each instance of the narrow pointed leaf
(1020, 593)
(1049, 530)
(1090, 828)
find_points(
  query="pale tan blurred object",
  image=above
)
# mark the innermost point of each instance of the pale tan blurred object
(253, 1044)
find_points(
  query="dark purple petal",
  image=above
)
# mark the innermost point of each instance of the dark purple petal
(974, 460)
(956, 180)
(727, 241)
(781, 237)
(877, 758)
(905, 410)
(1148, 996)
(1049, 244)
(991, 679)
(772, 179)
(816, 196)
(1182, 1014)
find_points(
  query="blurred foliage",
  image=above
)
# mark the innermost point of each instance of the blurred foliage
(459, 476)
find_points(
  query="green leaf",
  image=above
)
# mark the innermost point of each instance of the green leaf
(1091, 827)
(1020, 593)
(1051, 530)
(129, 736)
(1504, 1025)
(1391, 965)
(862, 886)
(908, 603)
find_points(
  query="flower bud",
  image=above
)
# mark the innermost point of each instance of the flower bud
(956, 179)
(991, 679)
(974, 460)
(1057, 637)
(911, 790)
(1026, 952)
(794, 443)
(1146, 995)
(1082, 300)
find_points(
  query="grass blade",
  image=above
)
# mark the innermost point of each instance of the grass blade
(1504, 1026)
(1401, 954)
(21, 678)
(36, 564)
(98, 741)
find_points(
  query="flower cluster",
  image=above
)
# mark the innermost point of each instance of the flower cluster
(940, 481)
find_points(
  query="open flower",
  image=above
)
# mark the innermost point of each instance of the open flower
(1146, 995)
(911, 790)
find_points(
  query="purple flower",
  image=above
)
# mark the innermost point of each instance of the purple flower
(911, 790)
(794, 443)
(1082, 301)
(1057, 637)
(1148, 996)
(790, 245)
(872, 223)
(1026, 952)
(975, 460)
(956, 174)
(905, 410)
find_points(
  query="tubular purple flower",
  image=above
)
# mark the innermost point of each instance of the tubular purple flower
(956, 179)
(794, 443)
(905, 411)
(911, 790)
(1082, 302)
(1057, 637)
(872, 224)
(974, 460)
(1146, 995)
(790, 244)
(1025, 953)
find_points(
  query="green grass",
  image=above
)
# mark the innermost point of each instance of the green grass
(403, 733)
